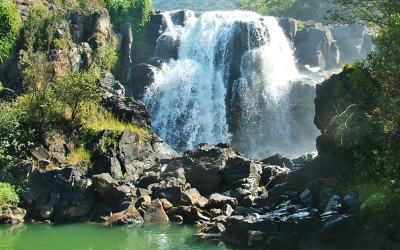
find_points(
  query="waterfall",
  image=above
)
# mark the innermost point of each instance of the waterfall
(230, 81)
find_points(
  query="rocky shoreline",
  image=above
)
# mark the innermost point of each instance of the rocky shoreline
(275, 203)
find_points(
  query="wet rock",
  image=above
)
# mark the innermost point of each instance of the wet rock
(189, 213)
(218, 201)
(289, 26)
(127, 217)
(142, 76)
(273, 175)
(179, 17)
(176, 218)
(246, 211)
(168, 46)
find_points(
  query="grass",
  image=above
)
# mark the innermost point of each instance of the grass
(79, 155)
(8, 195)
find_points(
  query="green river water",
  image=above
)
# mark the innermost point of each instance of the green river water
(87, 236)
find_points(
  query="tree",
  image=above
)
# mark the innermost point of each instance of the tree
(265, 7)
(374, 11)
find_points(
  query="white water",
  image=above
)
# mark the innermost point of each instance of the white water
(194, 98)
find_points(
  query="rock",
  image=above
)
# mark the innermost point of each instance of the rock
(218, 201)
(127, 217)
(246, 211)
(142, 76)
(237, 170)
(7, 94)
(278, 160)
(350, 203)
(326, 202)
(189, 213)
(273, 175)
(179, 17)
(110, 190)
(289, 26)
(215, 212)
(111, 86)
(141, 200)
(166, 204)
(307, 198)
(153, 212)
(190, 197)
(107, 162)
(59, 195)
(40, 153)
(351, 39)
(12, 215)
(168, 46)
(227, 210)
(176, 218)
(21, 170)
(239, 193)
(315, 46)
(255, 238)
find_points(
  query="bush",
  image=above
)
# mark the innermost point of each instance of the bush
(8, 195)
(10, 25)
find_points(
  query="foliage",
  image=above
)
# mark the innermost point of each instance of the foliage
(375, 11)
(265, 7)
(10, 24)
(79, 155)
(8, 195)
(373, 133)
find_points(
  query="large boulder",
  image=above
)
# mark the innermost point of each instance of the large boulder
(60, 195)
(316, 47)
(12, 215)
(130, 216)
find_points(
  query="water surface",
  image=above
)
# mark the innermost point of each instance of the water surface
(86, 236)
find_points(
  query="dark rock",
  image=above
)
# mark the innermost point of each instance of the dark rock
(189, 213)
(218, 201)
(111, 86)
(179, 17)
(142, 76)
(307, 198)
(7, 94)
(60, 195)
(130, 216)
(350, 203)
(40, 153)
(239, 193)
(238, 171)
(278, 160)
(326, 201)
(246, 211)
(215, 212)
(273, 175)
(21, 170)
(289, 26)
(168, 46)
(110, 190)
(227, 210)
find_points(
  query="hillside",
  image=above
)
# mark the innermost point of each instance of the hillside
(196, 5)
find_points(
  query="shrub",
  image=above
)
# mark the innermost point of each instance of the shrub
(8, 195)
(10, 25)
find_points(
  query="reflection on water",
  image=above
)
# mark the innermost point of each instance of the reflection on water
(94, 236)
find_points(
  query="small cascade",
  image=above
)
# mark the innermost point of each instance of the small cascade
(229, 80)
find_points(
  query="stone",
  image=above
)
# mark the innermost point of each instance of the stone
(278, 160)
(325, 199)
(307, 198)
(110, 190)
(227, 210)
(153, 212)
(255, 238)
(166, 204)
(12, 215)
(130, 216)
(218, 201)
(176, 218)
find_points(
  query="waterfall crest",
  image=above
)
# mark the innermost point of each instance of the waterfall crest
(229, 82)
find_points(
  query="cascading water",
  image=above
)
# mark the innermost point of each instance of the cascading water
(230, 81)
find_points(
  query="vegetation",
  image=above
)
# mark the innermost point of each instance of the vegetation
(368, 129)
(10, 24)
(8, 195)
(59, 97)
(265, 7)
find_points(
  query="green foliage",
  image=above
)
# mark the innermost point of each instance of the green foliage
(374, 11)
(10, 24)
(8, 195)
(373, 132)
(265, 7)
